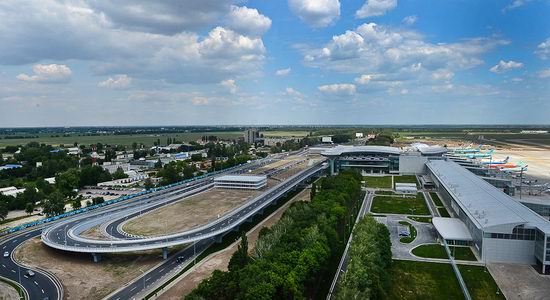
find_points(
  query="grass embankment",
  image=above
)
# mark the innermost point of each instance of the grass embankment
(421, 219)
(412, 230)
(443, 212)
(405, 179)
(438, 251)
(421, 280)
(400, 205)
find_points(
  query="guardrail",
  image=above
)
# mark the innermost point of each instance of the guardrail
(124, 198)
(162, 242)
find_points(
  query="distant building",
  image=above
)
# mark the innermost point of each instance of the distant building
(326, 139)
(10, 166)
(358, 135)
(73, 151)
(112, 168)
(133, 178)
(11, 191)
(274, 141)
(251, 135)
(534, 131)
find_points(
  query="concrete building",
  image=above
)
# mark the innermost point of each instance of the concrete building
(406, 188)
(251, 136)
(498, 227)
(111, 168)
(240, 182)
(133, 178)
(11, 191)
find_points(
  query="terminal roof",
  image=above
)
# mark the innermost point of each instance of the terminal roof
(489, 208)
(246, 178)
(341, 149)
(452, 229)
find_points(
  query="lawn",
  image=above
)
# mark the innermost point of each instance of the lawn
(436, 199)
(438, 251)
(480, 283)
(443, 212)
(400, 205)
(412, 230)
(405, 179)
(421, 219)
(387, 193)
(378, 181)
(422, 280)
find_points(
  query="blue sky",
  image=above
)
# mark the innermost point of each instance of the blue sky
(194, 62)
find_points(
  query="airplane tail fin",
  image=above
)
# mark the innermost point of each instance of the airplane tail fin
(506, 159)
(480, 146)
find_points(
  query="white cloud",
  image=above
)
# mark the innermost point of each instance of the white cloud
(117, 82)
(543, 49)
(52, 73)
(340, 89)
(544, 73)
(504, 66)
(364, 79)
(200, 100)
(515, 4)
(248, 21)
(296, 95)
(410, 20)
(443, 74)
(82, 32)
(283, 72)
(230, 85)
(373, 8)
(316, 13)
(372, 48)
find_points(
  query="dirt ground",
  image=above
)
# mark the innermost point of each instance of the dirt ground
(81, 278)
(7, 292)
(220, 260)
(520, 281)
(189, 212)
(277, 164)
(94, 233)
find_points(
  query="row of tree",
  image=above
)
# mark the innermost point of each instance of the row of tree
(370, 256)
(295, 258)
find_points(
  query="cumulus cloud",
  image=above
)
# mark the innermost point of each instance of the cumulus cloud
(443, 74)
(339, 89)
(81, 32)
(373, 8)
(230, 85)
(248, 21)
(117, 82)
(364, 79)
(47, 74)
(543, 49)
(200, 100)
(410, 20)
(164, 17)
(515, 4)
(316, 13)
(504, 66)
(372, 48)
(283, 72)
(296, 95)
(544, 73)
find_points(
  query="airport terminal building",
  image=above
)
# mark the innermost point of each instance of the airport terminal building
(499, 228)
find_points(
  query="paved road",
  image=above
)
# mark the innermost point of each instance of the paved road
(38, 286)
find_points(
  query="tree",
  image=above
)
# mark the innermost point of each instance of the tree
(134, 146)
(119, 174)
(98, 200)
(29, 208)
(158, 164)
(313, 191)
(148, 184)
(240, 258)
(3, 210)
(54, 204)
(76, 204)
(67, 182)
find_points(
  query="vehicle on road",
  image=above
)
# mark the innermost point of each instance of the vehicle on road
(6, 254)
(30, 273)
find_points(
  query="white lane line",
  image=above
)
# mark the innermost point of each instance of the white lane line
(147, 279)
(133, 288)
(13, 271)
(161, 270)
(3, 266)
(36, 283)
(42, 291)
(4, 247)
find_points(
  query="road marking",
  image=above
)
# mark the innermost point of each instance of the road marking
(25, 276)
(3, 266)
(13, 271)
(161, 270)
(133, 288)
(42, 291)
(36, 283)
(147, 279)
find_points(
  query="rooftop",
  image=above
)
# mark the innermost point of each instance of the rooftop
(452, 229)
(339, 150)
(488, 207)
(245, 178)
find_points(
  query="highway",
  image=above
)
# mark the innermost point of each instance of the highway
(65, 235)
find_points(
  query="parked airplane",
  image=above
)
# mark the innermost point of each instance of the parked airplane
(515, 170)
(509, 165)
(494, 163)
(468, 149)
(478, 155)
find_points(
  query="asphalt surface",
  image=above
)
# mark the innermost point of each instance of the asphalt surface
(39, 286)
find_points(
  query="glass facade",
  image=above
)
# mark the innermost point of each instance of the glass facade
(369, 162)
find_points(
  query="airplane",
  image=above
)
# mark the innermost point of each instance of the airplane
(468, 149)
(509, 165)
(478, 155)
(496, 162)
(515, 170)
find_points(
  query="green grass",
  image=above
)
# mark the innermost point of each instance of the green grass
(410, 238)
(480, 283)
(15, 286)
(443, 212)
(378, 181)
(438, 251)
(405, 179)
(400, 205)
(387, 193)
(421, 219)
(436, 199)
(423, 280)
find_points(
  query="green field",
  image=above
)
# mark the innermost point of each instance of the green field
(400, 205)
(421, 280)
(438, 251)
(436, 199)
(378, 181)
(412, 229)
(405, 179)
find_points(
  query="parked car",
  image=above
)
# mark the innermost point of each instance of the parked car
(6, 254)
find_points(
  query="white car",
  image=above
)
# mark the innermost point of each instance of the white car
(6, 254)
